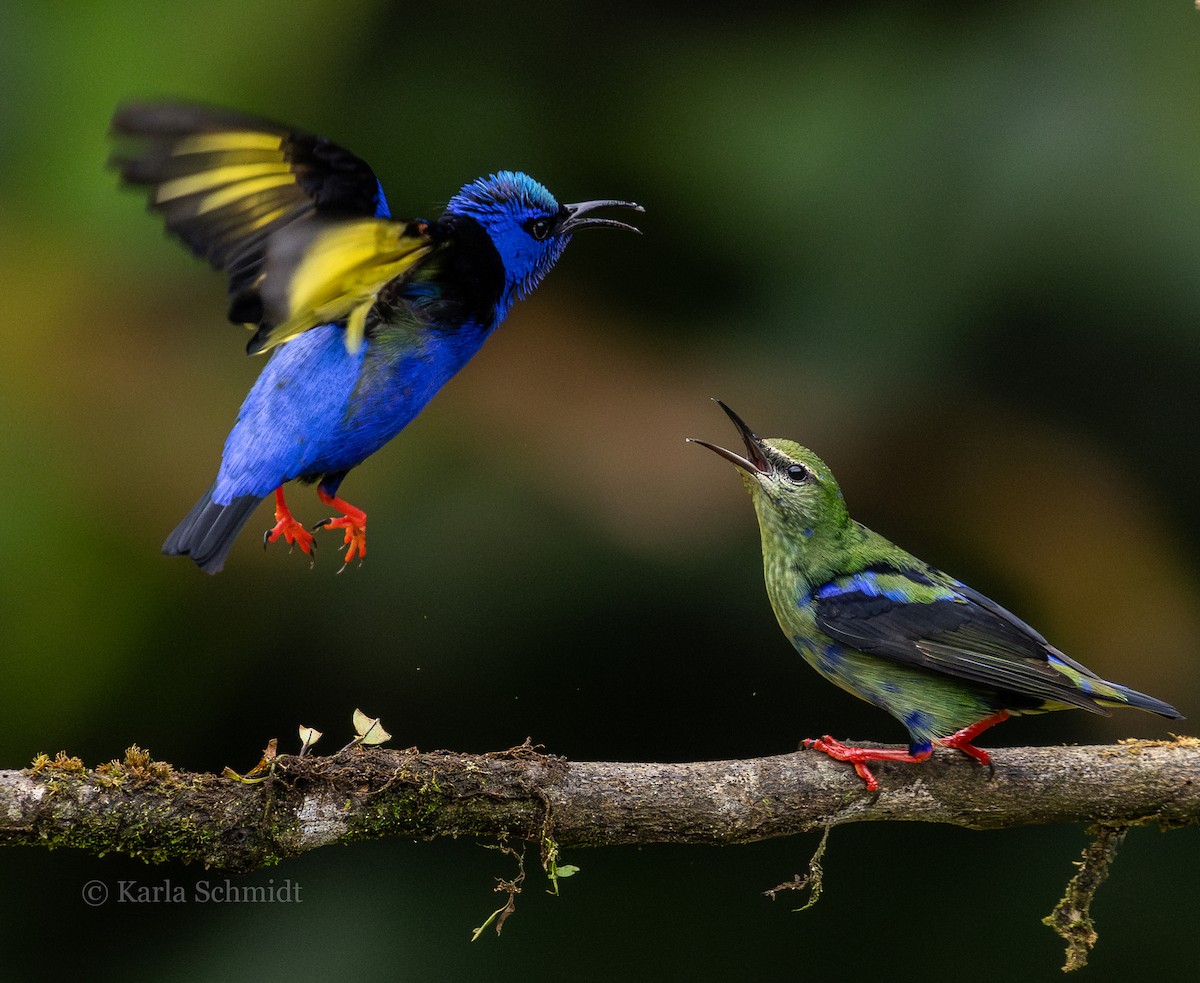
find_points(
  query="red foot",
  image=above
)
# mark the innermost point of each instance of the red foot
(352, 519)
(859, 756)
(292, 531)
(960, 740)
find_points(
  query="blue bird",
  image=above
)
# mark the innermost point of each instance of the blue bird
(366, 316)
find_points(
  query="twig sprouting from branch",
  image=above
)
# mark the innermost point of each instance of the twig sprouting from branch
(814, 880)
(503, 886)
(1071, 917)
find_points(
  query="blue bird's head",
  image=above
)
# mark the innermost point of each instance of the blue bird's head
(527, 225)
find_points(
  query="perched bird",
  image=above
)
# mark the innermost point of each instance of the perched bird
(366, 316)
(941, 658)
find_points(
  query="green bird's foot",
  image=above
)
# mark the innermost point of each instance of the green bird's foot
(292, 531)
(859, 756)
(353, 520)
(961, 740)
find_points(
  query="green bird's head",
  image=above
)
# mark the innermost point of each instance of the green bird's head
(794, 492)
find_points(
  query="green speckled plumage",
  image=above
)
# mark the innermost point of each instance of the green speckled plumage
(889, 628)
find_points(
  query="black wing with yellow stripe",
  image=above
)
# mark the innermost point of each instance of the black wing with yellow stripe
(225, 181)
(298, 222)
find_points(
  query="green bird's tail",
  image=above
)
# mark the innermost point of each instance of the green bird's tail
(1132, 698)
(1106, 694)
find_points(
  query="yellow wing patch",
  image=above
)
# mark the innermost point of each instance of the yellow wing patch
(207, 143)
(322, 271)
(232, 176)
(245, 176)
(288, 214)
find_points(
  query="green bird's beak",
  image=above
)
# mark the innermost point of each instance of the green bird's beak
(575, 216)
(755, 462)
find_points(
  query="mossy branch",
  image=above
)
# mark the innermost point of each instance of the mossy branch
(151, 810)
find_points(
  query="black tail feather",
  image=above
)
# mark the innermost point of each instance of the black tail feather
(207, 532)
(1144, 702)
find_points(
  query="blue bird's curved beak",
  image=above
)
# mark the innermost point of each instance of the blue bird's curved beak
(578, 216)
(755, 462)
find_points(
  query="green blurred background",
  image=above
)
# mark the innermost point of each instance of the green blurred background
(952, 247)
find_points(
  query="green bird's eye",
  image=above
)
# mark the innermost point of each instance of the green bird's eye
(797, 473)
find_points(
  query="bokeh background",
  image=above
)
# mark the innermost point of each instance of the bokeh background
(952, 247)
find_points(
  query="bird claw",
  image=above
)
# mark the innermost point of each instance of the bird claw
(842, 752)
(353, 520)
(294, 534)
(355, 540)
(859, 756)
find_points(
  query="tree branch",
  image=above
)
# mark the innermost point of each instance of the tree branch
(148, 809)
(291, 804)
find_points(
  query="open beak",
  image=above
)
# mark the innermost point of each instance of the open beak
(755, 462)
(576, 216)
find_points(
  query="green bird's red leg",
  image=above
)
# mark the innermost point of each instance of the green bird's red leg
(287, 526)
(960, 740)
(859, 756)
(352, 519)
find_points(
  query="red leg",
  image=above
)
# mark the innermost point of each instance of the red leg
(292, 531)
(352, 519)
(961, 740)
(859, 756)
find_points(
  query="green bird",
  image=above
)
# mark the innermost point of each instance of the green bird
(940, 657)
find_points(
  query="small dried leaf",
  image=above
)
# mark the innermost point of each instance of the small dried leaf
(268, 757)
(308, 737)
(370, 731)
(262, 770)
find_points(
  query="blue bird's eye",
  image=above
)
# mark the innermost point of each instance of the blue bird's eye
(539, 228)
(797, 473)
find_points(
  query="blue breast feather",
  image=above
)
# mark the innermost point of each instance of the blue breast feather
(318, 408)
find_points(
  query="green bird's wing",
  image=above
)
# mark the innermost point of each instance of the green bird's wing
(947, 628)
(297, 222)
